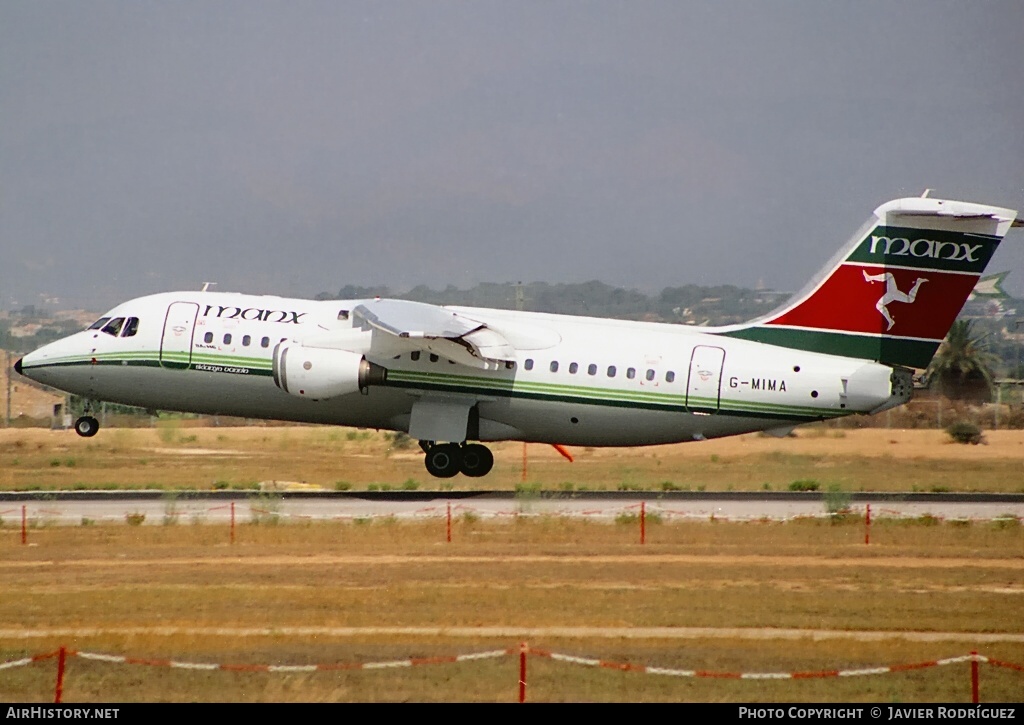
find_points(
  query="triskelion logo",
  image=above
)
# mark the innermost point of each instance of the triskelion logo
(892, 293)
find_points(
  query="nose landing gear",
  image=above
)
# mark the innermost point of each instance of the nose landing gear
(444, 460)
(87, 426)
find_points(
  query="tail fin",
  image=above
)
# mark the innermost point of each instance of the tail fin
(894, 290)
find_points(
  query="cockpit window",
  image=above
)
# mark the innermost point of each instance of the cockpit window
(114, 326)
(131, 326)
(99, 323)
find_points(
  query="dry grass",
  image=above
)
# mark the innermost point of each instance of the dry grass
(126, 583)
(203, 458)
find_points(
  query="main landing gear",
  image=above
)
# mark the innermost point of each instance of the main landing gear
(87, 426)
(444, 460)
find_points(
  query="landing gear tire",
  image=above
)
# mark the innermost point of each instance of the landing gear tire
(477, 460)
(87, 426)
(443, 461)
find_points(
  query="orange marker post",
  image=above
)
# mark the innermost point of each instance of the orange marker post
(449, 522)
(523, 648)
(232, 522)
(24, 528)
(867, 526)
(974, 676)
(61, 658)
(643, 522)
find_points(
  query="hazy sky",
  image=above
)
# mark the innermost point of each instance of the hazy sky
(294, 147)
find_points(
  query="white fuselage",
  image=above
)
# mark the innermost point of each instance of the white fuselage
(574, 380)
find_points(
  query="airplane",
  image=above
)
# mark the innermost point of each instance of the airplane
(455, 378)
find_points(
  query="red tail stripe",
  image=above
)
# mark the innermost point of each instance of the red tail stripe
(847, 301)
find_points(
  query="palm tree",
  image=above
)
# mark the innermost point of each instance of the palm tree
(961, 366)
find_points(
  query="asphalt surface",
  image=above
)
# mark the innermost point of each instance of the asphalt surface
(72, 507)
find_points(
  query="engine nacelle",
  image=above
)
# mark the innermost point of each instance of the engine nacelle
(318, 373)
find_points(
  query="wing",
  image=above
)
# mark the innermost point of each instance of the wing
(437, 330)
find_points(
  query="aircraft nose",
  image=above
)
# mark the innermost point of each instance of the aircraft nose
(17, 366)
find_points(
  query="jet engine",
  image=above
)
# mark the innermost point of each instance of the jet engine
(318, 373)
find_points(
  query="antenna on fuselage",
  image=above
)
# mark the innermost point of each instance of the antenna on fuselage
(207, 285)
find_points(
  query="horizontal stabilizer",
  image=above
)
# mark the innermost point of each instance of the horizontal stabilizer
(946, 213)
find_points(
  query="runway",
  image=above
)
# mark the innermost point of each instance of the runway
(157, 507)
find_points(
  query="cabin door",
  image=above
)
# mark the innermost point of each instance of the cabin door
(176, 344)
(704, 384)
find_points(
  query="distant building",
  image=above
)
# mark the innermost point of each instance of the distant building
(28, 399)
(26, 330)
(82, 317)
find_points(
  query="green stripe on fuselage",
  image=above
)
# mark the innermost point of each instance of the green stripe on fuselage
(255, 366)
(501, 387)
(672, 402)
(889, 350)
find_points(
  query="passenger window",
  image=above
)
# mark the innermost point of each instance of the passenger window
(114, 326)
(265, 342)
(227, 338)
(611, 371)
(554, 366)
(528, 364)
(592, 369)
(650, 374)
(630, 373)
(670, 377)
(573, 367)
(415, 355)
(99, 323)
(433, 357)
(131, 327)
(246, 339)
(208, 337)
